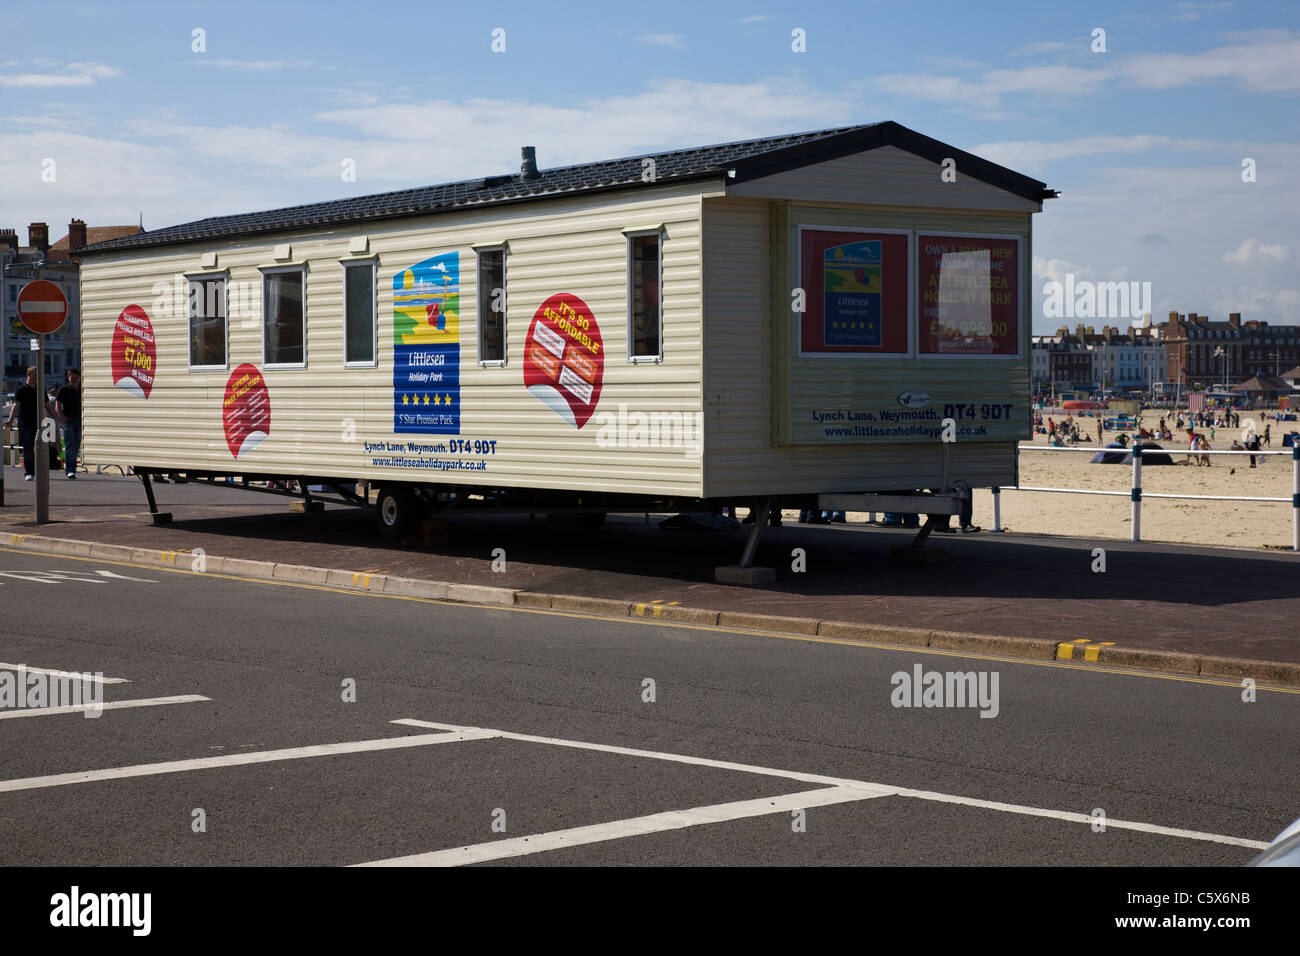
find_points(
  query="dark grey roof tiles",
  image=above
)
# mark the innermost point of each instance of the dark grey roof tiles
(750, 159)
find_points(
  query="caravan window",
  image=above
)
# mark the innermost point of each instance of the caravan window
(359, 314)
(645, 300)
(284, 318)
(207, 310)
(492, 306)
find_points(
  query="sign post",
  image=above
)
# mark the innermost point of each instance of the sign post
(43, 308)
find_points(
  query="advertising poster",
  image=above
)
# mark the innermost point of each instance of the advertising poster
(426, 347)
(855, 292)
(134, 352)
(246, 411)
(968, 295)
(564, 358)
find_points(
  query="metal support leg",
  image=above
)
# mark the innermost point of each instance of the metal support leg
(751, 544)
(155, 516)
(148, 493)
(931, 521)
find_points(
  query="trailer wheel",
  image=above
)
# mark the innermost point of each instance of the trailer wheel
(396, 511)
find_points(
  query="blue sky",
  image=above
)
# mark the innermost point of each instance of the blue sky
(1145, 140)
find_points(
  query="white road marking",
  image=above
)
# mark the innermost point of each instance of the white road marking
(235, 760)
(112, 705)
(57, 577)
(876, 789)
(69, 674)
(635, 826)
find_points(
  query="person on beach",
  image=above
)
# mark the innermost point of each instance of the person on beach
(1100, 440)
(1253, 445)
(1267, 441)
(1051, 429)
(1203, 444)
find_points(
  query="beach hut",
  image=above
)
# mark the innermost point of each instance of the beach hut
(776, 320)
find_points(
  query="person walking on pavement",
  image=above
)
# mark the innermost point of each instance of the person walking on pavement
(69, 406)
(25, 410)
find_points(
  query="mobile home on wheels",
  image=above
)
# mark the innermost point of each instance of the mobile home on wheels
(778, 320)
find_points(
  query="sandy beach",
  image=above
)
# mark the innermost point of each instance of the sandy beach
(1247, 524)
(1239, 524)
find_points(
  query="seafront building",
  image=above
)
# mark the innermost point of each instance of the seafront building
(1187, 352)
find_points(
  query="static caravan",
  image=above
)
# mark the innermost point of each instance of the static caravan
(778, 320)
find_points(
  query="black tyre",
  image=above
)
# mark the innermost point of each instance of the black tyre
(396, 510)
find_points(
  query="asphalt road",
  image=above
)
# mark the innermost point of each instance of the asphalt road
(745, 730)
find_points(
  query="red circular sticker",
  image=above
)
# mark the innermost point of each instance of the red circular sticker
(564, 360)
(134, 352)
(246, 412)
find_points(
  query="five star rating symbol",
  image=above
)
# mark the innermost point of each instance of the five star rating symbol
(417, 399)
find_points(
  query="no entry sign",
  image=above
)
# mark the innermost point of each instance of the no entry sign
(42, 307)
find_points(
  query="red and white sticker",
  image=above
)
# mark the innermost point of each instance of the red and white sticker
(246, 412)
(564, 358)
(135, 354)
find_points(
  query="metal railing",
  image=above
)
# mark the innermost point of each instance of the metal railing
(1135, 493)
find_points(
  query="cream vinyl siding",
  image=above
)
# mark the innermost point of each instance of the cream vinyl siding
(744, 296)
(886, 176)
(574, 245)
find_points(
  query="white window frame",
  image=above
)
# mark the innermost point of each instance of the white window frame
(224, 277)
(301, 269)
(360, 263)
(484, 301)
(632, 234)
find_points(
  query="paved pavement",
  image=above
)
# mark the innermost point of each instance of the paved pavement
(1151, 597)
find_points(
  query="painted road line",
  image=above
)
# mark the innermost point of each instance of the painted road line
(71, 675)
(112, 705)
(633, 826)
(877, 789)
(235, 760)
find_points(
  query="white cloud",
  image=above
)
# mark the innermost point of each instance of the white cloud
(1036, 155)
(986, 91)
(1264, 60)
(1187, 12)
(1252, 250)
(1043, 46)
(403, 142)
(673, 40)
(250, 66)
(77, 74)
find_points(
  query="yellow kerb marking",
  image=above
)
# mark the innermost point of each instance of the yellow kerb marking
(1064, 652)
(1090, 653)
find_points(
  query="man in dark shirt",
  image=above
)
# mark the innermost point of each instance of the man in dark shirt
(26, 410)
(69, 406)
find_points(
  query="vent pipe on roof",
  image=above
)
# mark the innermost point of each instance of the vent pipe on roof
(528, 168)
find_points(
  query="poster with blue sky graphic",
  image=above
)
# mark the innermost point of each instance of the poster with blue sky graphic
(426, 347)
